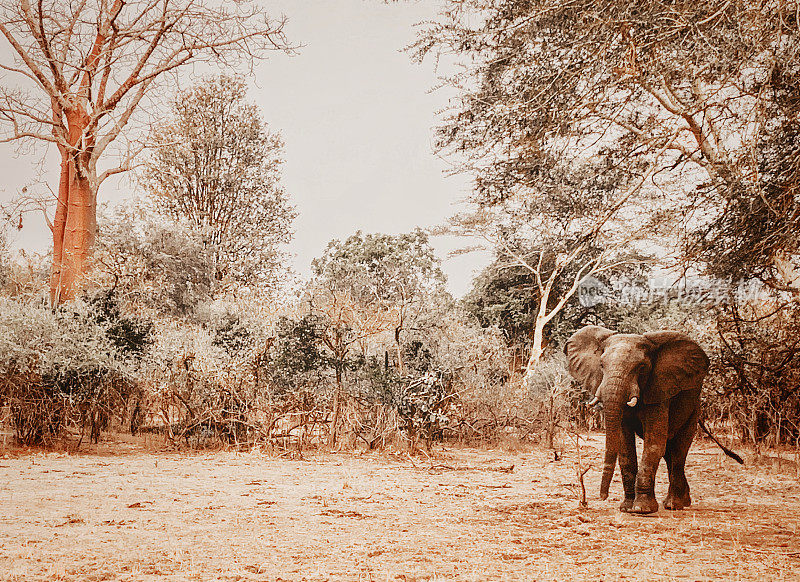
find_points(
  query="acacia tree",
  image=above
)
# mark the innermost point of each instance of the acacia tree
(216, 165)
(694, 92)
(82, 69)
(692, 107)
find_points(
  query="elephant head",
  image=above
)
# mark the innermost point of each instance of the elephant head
(631, 370)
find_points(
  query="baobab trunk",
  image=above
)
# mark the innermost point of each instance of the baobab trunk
(75, 222)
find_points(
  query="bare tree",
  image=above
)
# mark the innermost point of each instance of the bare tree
(82, 69)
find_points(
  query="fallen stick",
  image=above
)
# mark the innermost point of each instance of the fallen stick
(771, 552)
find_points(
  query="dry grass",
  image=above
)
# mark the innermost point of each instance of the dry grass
(244, 516)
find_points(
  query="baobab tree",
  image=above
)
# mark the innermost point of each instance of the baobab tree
(77, 75)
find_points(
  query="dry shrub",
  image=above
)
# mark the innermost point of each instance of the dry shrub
(756, 380)
(510, 413)
(62, 368)
(38, 412)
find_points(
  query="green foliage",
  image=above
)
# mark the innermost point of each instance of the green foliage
(298, 358)
(393, 268)
(132, 336)
(418, 356)
(756, 234)
(374, 381)
(503, 296)
(545, 82)
(425, 406)
(379, 296)
(231, 333)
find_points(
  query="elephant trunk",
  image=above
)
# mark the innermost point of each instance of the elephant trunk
(615, 397)
(613, 429)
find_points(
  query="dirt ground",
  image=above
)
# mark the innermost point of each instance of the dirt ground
(137, 515)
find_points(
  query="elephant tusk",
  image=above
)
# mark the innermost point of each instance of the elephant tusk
(633, 402)
(594, 401)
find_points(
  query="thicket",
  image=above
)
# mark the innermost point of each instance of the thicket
(383, 357)
(244, 371)
(228, 376)
(70, 367)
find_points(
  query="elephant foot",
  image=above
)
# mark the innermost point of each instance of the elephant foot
(626, 505)
(644, 505)
(675, 503)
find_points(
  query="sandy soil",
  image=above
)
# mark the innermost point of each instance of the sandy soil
(247, 516)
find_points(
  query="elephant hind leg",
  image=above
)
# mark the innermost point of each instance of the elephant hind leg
(675, 456)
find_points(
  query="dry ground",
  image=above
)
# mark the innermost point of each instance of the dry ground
(248, 516)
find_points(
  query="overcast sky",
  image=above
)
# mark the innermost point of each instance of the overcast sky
(357, 117)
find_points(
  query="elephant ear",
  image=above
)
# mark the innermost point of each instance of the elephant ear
(583, 350)
(679, 363)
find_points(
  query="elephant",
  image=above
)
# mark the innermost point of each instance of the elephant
(650, 386)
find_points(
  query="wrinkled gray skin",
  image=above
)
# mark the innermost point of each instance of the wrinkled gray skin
(650, 385)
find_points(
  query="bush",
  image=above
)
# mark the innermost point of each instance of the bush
(756, 382)
(74, 365)
(202, 392)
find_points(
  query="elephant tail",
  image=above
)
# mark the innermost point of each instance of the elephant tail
(725, 449)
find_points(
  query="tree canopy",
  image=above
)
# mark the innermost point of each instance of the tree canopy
(678, 95)
(382, 267)
(216, 165)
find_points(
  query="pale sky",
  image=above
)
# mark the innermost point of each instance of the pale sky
(357, 117)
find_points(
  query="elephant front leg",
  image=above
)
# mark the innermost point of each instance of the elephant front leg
(654, 422)
(628, 466)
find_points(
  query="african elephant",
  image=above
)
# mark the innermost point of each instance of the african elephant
(650, 385)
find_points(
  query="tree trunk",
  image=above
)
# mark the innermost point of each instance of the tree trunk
(399, 349)
(537, 349)
(400, 365)
(75, 222)
(336, 409)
